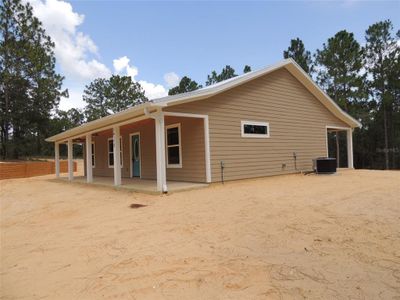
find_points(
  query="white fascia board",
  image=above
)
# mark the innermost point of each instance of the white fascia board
(104, 122)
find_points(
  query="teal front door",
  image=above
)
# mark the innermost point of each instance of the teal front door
(135, 144)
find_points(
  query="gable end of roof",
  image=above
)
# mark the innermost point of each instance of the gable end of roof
(206, 92)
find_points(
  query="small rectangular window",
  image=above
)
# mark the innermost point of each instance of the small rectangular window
(173, 141)
(255, 129)
(111, 152)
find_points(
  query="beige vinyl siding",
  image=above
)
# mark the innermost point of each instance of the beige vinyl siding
(192, 147)
(296, 118)
(147, 149)
(101, 154)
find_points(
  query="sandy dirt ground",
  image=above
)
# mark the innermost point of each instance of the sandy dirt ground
(284, 237)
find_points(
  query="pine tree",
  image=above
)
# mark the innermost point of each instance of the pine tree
(226, 73)
(339, 66)
(108, 96)
(297, 51)
(29, 86)
(185, 85)
(247, 69)
(381, 57)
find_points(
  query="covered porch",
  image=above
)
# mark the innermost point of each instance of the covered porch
(334, 147)
(138, 185)
(159, 152)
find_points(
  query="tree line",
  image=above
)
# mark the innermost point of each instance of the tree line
(365, 82)
(363, 79)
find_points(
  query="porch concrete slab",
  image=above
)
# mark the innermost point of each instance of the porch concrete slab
(138, 185)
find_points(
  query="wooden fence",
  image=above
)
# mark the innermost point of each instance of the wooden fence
(24, 169)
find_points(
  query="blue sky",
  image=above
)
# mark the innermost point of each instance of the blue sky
(151, 39)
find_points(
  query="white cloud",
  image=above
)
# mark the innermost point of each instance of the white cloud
(120, 64)
(57, 15)
(77, 54)
(74, 100)
(152, 90)
(75, 51)
(172, 79)
(132, 71)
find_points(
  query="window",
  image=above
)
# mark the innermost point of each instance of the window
(93, 156)
(255, 129)
(111, 152)
(173, 141)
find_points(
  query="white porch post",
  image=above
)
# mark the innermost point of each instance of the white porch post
(160, 153)
(117, 155)
(57, 158)
(89, 169)
(207, 149)
(70, 161)
(162, 162)
(350, 148)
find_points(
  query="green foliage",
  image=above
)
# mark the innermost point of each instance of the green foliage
(226, 73)
(247, 69)
(185, 85)
(365, 83)
(59, 122)
(29, 86)
(108, 96)
(382, 51)
(339, 65)
(64, 120)
(298, 53)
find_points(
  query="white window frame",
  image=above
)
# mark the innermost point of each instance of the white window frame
(255, 135)
(120, 150)
(93, 155)
(177, 125)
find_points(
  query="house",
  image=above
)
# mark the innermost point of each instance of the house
(267, 122)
